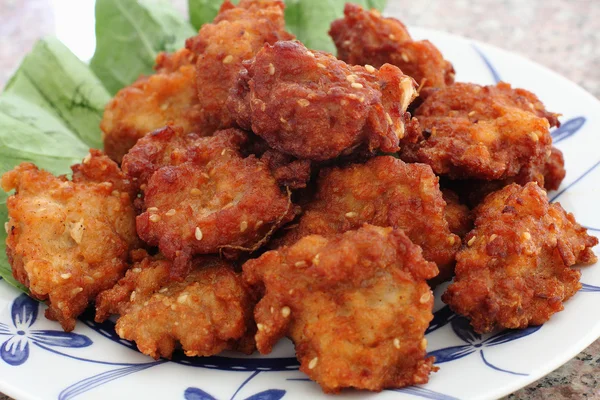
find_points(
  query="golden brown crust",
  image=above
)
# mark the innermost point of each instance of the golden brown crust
(310, 105)
(481, 132)
(384, 191)
(202, 197)
(235, 35)
(365, 37)
(207, 312)
(69, 240)
(554, 169)
(514, 271)
(166, 98)
(356, 306)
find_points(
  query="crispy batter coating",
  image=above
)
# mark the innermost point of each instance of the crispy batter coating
(514, 271)
(235, 35)
(554, 169)
(201, 196)
(481, 132)
(384, 191)
(310, 105)
(69, 240)
(356, 306)
(207, 312)
(168, 97)
(365, 37)
(456, 214)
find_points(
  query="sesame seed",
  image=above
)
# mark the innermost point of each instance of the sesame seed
(204, 175)
(177, 324)
(137, 270)
(493, 236)
(164, 107)
(392, 36)
(346, 43)
(303, 103)
(87, 158)
(143, 186)
(404, 57)
(423, 344)
(451, 240)
(171, 212)
(313, 363)
(300, 264)
(271, 69)
(88, 279)
(198, 233)
(285, 311)
(310, 54)
(77, 290)
(228, 59)
(351, 214)
(272, 310)
(344, 102)
(132, 297)
(258, 224)
(65, 276)
(370, 68)
(260, 327)
(243, 226)
(146, 303)
(182, 298)
(163, 290)
(321, 66)
(534, 136)
(316, 259)
(356, 85)
(472, 113)
(388, 118)
(397, 343)
(195, 192)
(527, 235)
(115, 193)
(471, 241)
(283, 120)
(152, 209)
(291, 291)
(263, 106)
(425, 297)
(155, 218)
(351, 78)
(6, 227)
(173, 307)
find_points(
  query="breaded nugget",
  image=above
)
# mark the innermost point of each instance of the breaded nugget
(168, 97)
(207, 312)
(356, 306)
(366, 38)
(481, 132)
(456, 214)
(201, 196)
(384, 191)
(515, 269)
(310, 105)
(235, 35)
(69, 240)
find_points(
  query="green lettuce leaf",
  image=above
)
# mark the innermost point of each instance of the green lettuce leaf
(309, 20)
(129, 35)
(55, 79)
(202, 11)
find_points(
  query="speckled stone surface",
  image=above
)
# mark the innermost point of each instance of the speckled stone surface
(563, 35)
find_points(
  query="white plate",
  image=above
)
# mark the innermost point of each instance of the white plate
(92, 363)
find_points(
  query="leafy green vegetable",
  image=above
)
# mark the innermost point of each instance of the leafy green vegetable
(202, 11)
(129, 35)
(309, 20)
(55, 79)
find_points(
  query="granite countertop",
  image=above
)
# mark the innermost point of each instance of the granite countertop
(563, 35)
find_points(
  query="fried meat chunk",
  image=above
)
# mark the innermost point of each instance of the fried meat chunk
(208, 312)
(313, 106)
(515, 270)
(69, 240)
(457, 214)
(366, 38)
(201, 196)
(481, 132)
(168, 97)
(385, 192)
(356, 306)
(235, 35)
(554, 169)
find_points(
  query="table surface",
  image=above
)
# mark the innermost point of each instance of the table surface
(563, 35)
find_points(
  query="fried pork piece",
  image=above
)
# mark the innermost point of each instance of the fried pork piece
(168, 97)
(356, 306)
(365, 37)
(69, 240)
(385, 192)
(554, 169)
(201, 196)
(235, 35)
(310, 105)
(207, 312)
(456, 214)
(481, 132)
(515, 270)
